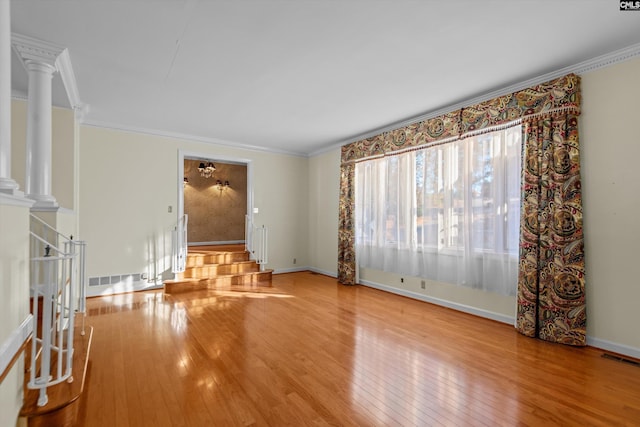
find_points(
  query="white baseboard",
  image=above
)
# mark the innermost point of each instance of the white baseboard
(325, 272)
(289, 270)
(300, 269)
(12, 344)
(444, 303)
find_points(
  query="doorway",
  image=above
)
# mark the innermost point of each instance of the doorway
(216, 199)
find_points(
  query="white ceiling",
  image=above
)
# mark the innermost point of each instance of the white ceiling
(299, 76)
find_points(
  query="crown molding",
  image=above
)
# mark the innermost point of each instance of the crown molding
(65, 68)
(32, 49)
(189, 137)
(580, 68)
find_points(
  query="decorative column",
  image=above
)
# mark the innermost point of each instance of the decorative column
(38, 179)
(40, 61)
(7, 184)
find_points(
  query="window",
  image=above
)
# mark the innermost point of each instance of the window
(448, 212)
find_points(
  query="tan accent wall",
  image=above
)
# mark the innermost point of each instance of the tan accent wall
(215, 214)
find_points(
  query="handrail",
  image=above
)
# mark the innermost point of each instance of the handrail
(256, 242)
(179, 245)
(248, 234)
(70, 247)
(79, 247)
(47, 244)
(47, 228)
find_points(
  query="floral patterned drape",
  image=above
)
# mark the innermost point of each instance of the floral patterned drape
(551, 280)
(551, 297)
(346, 248)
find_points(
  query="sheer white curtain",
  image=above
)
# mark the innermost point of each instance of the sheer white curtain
(448, 212)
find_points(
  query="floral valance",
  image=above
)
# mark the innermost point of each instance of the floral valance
(556, 95)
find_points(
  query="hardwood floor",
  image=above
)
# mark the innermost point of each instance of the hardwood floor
(309, 351)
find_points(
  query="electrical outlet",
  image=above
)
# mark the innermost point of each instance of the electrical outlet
(294, 260)
(423, 284)
(170, 209)
(402, 280)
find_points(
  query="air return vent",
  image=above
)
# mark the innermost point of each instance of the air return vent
(115, 279)
(621, 359)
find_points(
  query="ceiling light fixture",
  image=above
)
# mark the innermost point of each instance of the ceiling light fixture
(206, 170)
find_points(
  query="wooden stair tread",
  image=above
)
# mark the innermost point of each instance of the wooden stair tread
(231, 281)
(220, 276)
(231, 247)
(221, 264)
(218, 267)
(207, 270)
(61, 396)
(197, 260)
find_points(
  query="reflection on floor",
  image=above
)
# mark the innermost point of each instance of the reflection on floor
(308, 351)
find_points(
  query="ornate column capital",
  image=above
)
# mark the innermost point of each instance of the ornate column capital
(28, 48)
(39, 67)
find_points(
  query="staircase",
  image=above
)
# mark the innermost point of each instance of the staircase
(218, 267)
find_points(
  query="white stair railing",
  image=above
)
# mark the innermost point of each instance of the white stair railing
(179, 245)
(58, 292)
(52, 290)
(68, 245)
(79, 248)
(256, 240)
(248, 234)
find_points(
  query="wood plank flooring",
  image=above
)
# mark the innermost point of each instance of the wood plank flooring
(311, 352)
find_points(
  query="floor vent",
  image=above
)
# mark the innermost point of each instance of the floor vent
(621, 359)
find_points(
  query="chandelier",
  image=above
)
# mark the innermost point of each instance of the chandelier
(206, 170)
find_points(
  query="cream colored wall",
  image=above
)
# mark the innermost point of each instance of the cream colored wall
(324, 185)
(610, 156)
(281, 195)
(63, 151)
(14, 288)
(128, 181)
